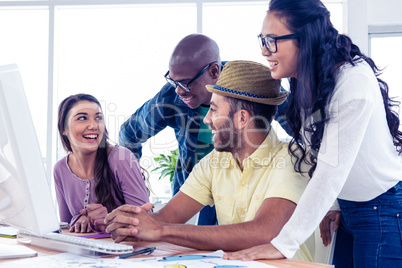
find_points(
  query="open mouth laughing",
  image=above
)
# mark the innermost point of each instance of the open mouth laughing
(272, 64)
(91, 137)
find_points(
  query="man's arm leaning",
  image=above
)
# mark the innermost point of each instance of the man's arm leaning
(162, 226)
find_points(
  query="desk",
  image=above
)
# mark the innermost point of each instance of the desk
(167, 249)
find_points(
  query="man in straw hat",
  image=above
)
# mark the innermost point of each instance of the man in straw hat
(249, 176)
(182, 104)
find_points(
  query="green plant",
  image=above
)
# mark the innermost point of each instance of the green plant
(166, 164)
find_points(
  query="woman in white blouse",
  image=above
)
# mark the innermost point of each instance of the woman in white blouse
(344, 121)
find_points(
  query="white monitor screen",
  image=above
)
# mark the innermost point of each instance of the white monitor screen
(25, 197)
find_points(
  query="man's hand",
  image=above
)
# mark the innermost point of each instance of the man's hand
(128, 221)
(266, 252)
(81, 225)
(325, 225)
(96, 214)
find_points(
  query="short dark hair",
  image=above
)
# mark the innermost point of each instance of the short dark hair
(262, 114)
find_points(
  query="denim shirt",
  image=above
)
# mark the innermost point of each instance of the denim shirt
(165, 109)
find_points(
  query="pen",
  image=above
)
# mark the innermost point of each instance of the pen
(142, 251)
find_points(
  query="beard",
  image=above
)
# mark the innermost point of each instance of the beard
(227, 138)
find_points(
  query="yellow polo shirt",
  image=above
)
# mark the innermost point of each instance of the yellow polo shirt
(237, 195)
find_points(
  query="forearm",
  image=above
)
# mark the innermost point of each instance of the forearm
(180, 209)
(133, 221)
(147, 121)
(129, 140)
(226, 237)
(64, 213)
(341, 141)
(267, 223)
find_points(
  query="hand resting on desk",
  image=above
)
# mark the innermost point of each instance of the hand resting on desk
(91, 220)
(81, 225)
(96, 214)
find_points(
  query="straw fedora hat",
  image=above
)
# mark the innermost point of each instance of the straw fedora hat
(250, 81)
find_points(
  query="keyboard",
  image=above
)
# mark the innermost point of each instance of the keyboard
(73, 244)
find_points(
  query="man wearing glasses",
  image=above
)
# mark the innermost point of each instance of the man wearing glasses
(181, 104)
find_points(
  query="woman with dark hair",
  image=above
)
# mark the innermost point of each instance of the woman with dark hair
(344, 122)
(95, 177)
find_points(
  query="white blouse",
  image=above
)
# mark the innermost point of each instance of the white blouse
(357, 160)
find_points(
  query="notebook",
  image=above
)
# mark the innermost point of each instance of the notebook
(15, 251)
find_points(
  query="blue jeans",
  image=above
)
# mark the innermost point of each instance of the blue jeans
(370, 233)
(207, 216)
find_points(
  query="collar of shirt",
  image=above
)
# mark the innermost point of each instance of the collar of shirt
(264, 154)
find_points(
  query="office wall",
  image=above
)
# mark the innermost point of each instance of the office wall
(362, 14)
(384, 12)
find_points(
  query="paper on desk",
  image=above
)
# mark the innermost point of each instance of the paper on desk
(191, 261)
(15, 251)
(67, 260)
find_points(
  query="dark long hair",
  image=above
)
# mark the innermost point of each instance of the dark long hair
(321, 51)
(106, 186)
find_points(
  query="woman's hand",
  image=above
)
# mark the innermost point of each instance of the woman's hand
(266, 251)
(81, 225)
(96, 214)
(325, 226)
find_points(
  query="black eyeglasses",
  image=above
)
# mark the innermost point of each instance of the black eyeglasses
(270, 41)
(183, 85)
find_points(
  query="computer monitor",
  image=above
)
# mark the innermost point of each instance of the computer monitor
(25, 198)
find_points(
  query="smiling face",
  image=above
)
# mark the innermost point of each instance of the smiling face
(85, 126)
(226, 135)
(282, 63)
(199, 94)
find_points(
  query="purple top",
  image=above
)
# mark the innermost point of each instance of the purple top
(71, 191)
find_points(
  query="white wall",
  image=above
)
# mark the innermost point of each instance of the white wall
(384, 11)
(365, 16)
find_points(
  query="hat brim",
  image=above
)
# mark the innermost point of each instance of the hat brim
(238, 95)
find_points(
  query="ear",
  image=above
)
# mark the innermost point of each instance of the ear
(241, 119)
(215, 71)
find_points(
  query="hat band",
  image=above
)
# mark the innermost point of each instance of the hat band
(242, 93)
